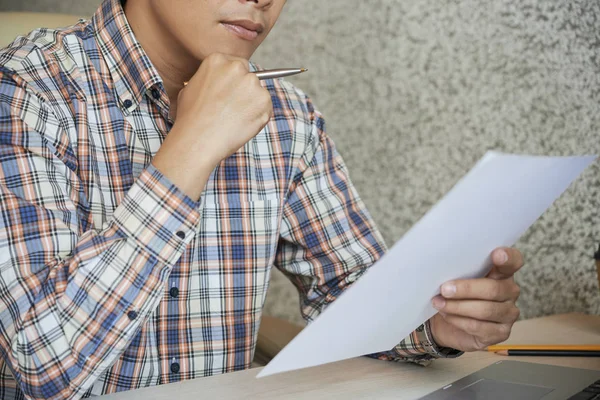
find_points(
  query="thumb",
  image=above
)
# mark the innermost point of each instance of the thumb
(507, 261)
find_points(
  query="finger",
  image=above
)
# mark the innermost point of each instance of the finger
(492, 311)
(507, 261)
(487, 333)
(242, 61)
(217, 59)
(481, 289)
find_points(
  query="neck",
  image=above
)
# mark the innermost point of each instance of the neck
(173, 62)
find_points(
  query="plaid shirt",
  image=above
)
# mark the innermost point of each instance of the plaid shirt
(111, 278)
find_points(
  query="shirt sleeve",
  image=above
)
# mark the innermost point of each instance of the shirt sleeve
(74, 290)
(328, 239)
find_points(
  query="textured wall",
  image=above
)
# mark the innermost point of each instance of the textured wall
(415, 93)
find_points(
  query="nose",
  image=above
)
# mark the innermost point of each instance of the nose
(259, 3)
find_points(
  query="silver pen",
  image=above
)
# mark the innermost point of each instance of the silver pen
(279, 73)
(274, 73)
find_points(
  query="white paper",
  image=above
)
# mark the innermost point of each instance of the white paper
(492, 206)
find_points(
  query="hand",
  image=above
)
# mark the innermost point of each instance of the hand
(479, 312)
(222, 107)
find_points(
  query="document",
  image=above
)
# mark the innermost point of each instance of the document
(490, 207)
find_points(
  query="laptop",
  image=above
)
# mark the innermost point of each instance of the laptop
(515, 380)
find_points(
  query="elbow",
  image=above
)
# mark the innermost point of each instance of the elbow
(46, 373)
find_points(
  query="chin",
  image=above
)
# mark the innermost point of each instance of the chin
(233, 48)
(236, 52)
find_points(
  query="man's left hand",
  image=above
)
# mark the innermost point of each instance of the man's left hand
(476, 313)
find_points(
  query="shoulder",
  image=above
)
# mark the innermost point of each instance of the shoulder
(293, 107)
(293, 100)
(43, 62)
(37, 75)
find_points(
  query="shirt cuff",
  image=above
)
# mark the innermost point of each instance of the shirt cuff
(159, 216)
(419, 348)
(424, 337)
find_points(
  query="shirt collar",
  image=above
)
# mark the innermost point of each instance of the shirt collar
(130, 68)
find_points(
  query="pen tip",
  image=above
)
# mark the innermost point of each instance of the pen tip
(303, 69)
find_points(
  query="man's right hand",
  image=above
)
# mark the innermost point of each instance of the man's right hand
(222, 107)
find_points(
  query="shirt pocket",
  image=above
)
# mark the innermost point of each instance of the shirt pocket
(237, 247)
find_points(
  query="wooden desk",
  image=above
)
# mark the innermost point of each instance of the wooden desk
(364, 378)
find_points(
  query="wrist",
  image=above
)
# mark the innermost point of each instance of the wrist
(191, 145)
(181, 165)
(436, 327)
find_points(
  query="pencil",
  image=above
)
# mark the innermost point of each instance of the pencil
(549, 347)
(549, 353)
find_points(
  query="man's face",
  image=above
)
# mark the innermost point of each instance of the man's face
(203, 27)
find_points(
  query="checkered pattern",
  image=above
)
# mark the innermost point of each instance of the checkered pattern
(111, 278)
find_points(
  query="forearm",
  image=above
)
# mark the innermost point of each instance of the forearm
(77, 320)
(178, 160)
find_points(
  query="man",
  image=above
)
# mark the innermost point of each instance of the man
(140, 219)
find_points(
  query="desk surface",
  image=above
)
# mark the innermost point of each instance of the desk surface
(364, 378)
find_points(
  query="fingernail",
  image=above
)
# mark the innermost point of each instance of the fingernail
(448, 290)
(439, 303)
(501, 257)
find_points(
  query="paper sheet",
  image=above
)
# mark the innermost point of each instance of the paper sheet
(492, 206)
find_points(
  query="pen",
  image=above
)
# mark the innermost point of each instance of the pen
(279, 73)
(274, 73)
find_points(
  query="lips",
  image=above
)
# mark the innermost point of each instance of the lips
(244, 29)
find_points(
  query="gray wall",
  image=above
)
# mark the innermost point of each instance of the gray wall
(415, 92)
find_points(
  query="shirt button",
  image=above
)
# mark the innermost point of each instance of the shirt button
(180, 235)
(175, 368)
(155, 94)
(132, 315)
(174, 292)
(128, 103)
